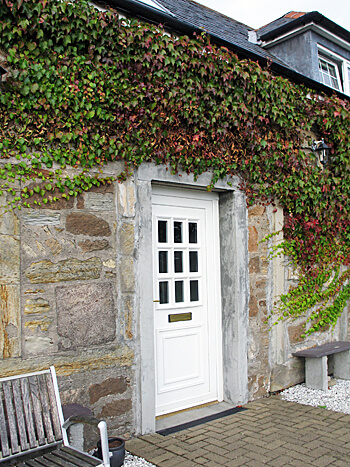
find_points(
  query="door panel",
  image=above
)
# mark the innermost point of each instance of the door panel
(186, 315)
(176, 370)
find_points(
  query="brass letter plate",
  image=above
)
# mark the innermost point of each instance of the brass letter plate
(180, 317)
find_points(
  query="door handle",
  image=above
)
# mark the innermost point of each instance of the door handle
(156, 301)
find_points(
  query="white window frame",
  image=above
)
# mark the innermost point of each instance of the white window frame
(340, 63)
(347, 78)
(332, 78)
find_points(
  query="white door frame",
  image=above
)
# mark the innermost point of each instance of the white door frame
(207, 203)
(233, 228)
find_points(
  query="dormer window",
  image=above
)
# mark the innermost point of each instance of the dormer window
(334, 70)
(329, 73)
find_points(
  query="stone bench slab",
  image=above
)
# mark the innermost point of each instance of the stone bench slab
(316, 368)
(322, 350)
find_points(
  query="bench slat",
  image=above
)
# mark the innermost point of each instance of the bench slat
(31, 463)
(11, 416)
(28, 413)
(54, 409)
(3, 430)
(64, 457)
(17, 397)
(34, 391)
(45, 409)
(75, 456)
(53, 459)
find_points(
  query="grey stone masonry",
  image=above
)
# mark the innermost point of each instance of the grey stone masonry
(341, 365)
(316, 373)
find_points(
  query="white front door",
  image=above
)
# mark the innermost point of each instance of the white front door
(186, 299)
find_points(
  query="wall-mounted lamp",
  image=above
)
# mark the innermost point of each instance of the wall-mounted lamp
(322, 150)
(2, 72)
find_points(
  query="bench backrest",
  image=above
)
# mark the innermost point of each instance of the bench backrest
(30, 417)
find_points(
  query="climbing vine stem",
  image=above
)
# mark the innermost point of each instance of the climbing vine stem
(85, 88)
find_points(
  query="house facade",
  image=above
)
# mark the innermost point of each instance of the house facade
(152, 295)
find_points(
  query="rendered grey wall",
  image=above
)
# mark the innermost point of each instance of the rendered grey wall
(317, 39)
(235, 295)
(297, 53)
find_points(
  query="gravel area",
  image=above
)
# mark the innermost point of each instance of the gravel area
(336, 398)
(131, 460)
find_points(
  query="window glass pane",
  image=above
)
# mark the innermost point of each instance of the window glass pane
(178, 263)
(163, 292)
(192, 232)
(163, 261)
(334, 83)
(162, 232)
(323, 66)
(327, 80)
(193, 261)
(177, 232)
(328, 73)
(179, 291)
(194, 291)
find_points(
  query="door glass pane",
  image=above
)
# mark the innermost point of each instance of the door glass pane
(178, 263)
(163, 292)
(192, 232)
(179, 291)
(162, 232)
(193, 261)
(194, 291)
(177, 232)
(163, 261)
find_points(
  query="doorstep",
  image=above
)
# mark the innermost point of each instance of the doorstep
(185, 416)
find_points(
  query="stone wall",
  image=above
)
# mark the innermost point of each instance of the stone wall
(271, 366)
(67, 293)
(10, 323)
(258, 333)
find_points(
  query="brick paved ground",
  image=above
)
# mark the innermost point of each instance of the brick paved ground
(271, 432)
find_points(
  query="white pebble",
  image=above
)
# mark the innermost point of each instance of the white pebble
(134, 461)
(337, 398)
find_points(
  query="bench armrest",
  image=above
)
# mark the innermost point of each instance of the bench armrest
(92, 421)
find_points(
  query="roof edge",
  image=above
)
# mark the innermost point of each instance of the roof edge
(311, 17)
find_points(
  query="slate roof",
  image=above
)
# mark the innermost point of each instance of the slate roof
(216, 24)
(186, 16)
(276, 24)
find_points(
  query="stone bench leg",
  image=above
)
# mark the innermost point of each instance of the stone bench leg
(316, 374)
(342, 365)
(76, 436)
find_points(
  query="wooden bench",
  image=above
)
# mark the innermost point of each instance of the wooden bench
(316, 363)
(32, 430)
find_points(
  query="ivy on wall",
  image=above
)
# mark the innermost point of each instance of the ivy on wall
(87, 87)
